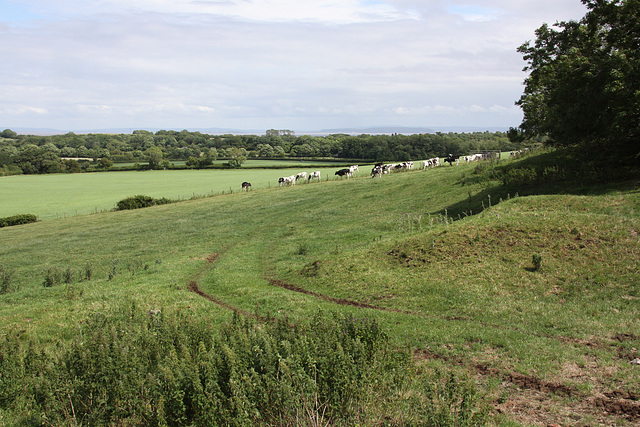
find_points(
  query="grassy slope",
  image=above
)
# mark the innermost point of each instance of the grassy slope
(462, 293)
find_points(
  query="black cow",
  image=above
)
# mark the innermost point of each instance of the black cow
(451, 158)
(344, 172)
(246, 186)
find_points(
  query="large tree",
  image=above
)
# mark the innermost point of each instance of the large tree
(583, 86)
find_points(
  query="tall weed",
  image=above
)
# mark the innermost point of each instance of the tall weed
(126, 368)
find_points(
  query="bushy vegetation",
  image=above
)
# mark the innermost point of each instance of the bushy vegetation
(17, 220)
(140, 201)
(154, 368)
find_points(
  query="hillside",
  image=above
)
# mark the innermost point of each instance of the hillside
(534, 297)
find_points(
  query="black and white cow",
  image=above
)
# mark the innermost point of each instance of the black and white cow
(451, 159)
(246, 186)
(313, 175)
(344, 172)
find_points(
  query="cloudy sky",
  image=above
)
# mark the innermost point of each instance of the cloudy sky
(260, 64)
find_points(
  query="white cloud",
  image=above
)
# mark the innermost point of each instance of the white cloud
(250, 63)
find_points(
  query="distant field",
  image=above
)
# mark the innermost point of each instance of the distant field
(64, 195)
(260, 163)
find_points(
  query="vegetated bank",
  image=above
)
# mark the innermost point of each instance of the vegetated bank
(439, 263)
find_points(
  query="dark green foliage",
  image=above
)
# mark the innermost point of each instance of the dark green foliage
(88, 271)
(583, 82)
(17, 220)
(52, 277)
(140, 201)
(536, 261)
(129, 368)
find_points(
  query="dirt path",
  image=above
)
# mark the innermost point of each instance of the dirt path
(193, 285)
(341, 301)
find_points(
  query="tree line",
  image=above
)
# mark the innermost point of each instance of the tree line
(31, 154)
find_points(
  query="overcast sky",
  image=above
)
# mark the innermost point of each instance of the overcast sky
(260, 64)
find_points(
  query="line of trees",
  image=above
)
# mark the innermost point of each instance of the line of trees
(31, 154)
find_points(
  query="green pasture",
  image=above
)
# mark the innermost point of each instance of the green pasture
(405, 249)
(262, 163)
(64, 195)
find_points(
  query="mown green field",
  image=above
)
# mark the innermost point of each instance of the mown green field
(548, 344)
(262, 163)
(64, 195)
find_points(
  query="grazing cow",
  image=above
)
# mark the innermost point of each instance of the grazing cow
(432, 162)
(315, 174)
(451, 158)
(344, 172)
(287, 180)
(354, 168)
(301, 175)
(246, 186)
(376, 171)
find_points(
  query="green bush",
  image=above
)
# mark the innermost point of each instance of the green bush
(153, 368)
(140, 201)
(17, 220)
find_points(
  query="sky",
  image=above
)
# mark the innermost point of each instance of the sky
(266, 64)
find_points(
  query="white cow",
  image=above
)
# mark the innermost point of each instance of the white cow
(287, 180)
(432, 162)
(301, 175)
(313, 175)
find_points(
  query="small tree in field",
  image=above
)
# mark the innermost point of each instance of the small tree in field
(237, 157)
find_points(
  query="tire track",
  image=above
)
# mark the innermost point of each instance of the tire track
(340, 301)
(194, 287)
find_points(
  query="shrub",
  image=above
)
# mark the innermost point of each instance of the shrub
(140, 201)
(17, 220)
(52, 277)
(536, 261)
(125, 368)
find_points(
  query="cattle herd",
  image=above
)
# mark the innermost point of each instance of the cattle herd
(380, 169)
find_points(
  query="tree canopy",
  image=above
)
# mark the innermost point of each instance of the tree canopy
(583, 87)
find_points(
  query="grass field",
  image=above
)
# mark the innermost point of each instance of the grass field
(262, 163)
(548, 342)
(64, 195)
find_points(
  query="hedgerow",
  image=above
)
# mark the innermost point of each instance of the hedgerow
(17, 220)
(140, 201)
(130, 368)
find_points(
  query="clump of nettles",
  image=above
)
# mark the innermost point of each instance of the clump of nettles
(537, 262)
